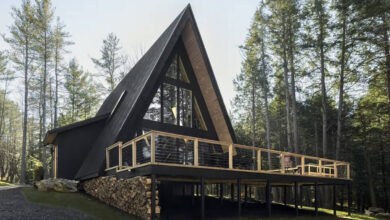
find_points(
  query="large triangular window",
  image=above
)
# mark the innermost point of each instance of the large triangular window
(174, 102)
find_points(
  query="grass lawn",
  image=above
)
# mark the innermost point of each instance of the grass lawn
(340, 214)
(5, 184)
(76, 201)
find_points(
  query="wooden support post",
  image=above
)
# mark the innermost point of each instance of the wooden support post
(282, 163)
(301, 195)
(153, 199)
(231, 156)
(221, 192)
(245, 193)
(316, 198)
(348, 171)
(342, 199)
(268, 197)
(107, 159)
(153, 148)
(349, 198)
(335, 169)
(120, 156)
(334, 199)
(196, 152)
(239, 196)
(303, 165)
(202, 189)
(134, 152)
(296, 197)
(232, 192)
(285, 195)
(259, 160)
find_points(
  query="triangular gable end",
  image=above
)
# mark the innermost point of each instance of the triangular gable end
(177, 104)
(143, 76)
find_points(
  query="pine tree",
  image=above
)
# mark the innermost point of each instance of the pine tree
(44, 47)
(21, 36)
(110, 61)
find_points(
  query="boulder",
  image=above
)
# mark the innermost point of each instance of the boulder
(376, 210)
(59, 185)
(383, 215)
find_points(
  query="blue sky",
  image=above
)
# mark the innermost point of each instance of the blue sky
(223, 25)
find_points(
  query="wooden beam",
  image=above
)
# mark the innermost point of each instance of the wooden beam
(239, 196)
(296, 197)
(349, 198)
(334, 200)
(221, 192)
(202, 189)
(232, 192)
(316, 198)
(303, 165)
(268, 197)
(153, 199)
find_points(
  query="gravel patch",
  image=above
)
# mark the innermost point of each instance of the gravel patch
(14, 206)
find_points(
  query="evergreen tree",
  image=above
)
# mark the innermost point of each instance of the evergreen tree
(110, 61)
(22, 32)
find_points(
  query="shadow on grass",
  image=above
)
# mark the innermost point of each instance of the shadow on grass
(76, 201)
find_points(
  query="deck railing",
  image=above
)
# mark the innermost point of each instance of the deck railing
(163, 148)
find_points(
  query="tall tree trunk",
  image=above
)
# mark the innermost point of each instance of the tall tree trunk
(287, 90)
(316, 137)
(45, 174)
(253, 120)
(341, 92)
(25, 115)
(56, 60)
(323, 87)
(293, 97)
(267, 122)
(386, 50)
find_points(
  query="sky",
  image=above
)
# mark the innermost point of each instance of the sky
(223, 25)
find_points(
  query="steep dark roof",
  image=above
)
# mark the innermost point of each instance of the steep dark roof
(137, 83)
(52, 134)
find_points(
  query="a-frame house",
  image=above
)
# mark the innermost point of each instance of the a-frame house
(166, 119)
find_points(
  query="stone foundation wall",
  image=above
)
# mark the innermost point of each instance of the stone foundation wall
(130, 195)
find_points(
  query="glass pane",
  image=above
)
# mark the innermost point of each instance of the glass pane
(198, 117)
(185, 106)
(170, 104)
(154, 110)
(172, 70)
(182, 72)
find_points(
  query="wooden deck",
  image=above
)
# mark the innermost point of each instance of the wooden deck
(163, 149)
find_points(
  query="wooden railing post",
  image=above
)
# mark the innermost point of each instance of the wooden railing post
(320, 166)
(259, 160)
(282, 162)
(134, 152)
(231, 156)
(107, 159)
(348, 171)
(153, 148)
(335, 169)
(303, 165)
(120, 155)
(196, 152)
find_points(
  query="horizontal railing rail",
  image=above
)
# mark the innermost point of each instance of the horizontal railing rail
(162, 148)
